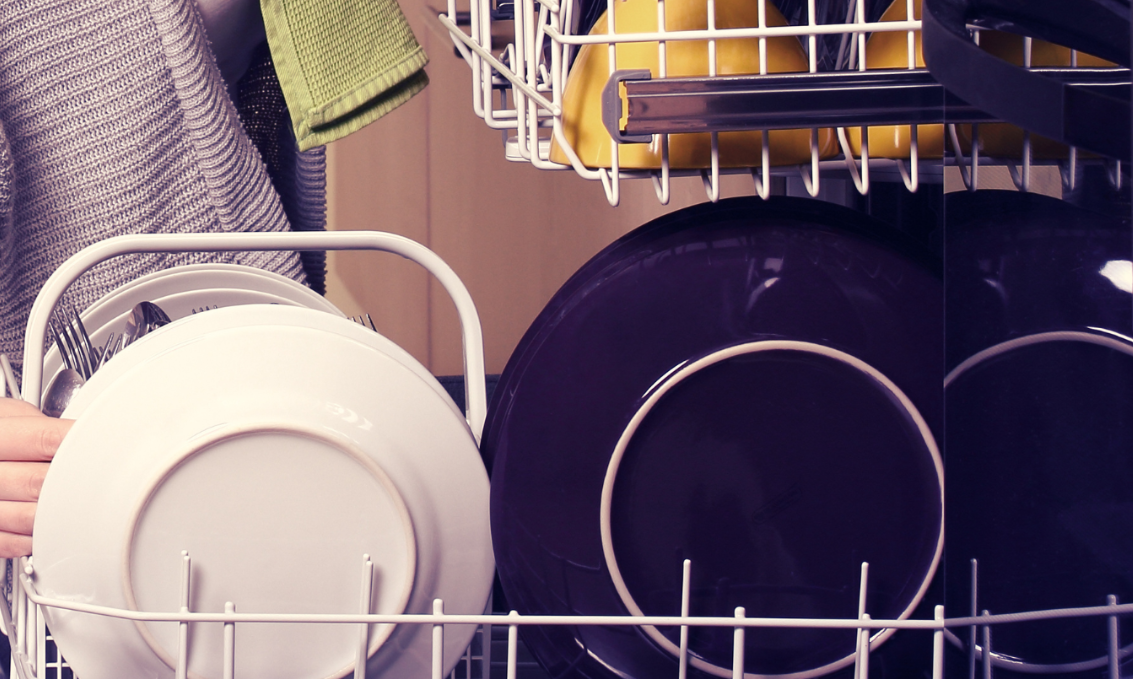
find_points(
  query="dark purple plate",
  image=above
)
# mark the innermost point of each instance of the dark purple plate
(752, 386)
(1039, 432)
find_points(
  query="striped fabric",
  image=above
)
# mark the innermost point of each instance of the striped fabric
(115, 119)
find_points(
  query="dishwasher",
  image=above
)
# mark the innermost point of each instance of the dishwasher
(724, 449)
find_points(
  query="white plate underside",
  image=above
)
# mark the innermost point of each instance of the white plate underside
(290, 534)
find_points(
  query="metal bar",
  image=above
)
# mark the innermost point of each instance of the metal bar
(938, 645)
(738, 647)
(986, 648)
(863, 650)
(364, 608)
(843, 99)
(229, 669)
(37, 633)
(70, 270)
(974, 610)
(438, 641)
(182, 670)
(486, 644)
(605, 620)
(1114, 641)
(512, 646)
(728, 33)
(861, 662)
(686, 596)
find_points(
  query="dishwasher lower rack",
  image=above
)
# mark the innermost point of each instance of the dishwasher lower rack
(520, 91)
(35, 656)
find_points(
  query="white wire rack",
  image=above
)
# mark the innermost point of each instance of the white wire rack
(35, 656)
(34, 653)
(22, 610)
(519, 91)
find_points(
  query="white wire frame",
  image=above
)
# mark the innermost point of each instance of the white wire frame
(23, 605)
(536, 71)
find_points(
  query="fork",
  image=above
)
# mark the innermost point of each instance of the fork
(365, 321)
(75, 347)
(113, 346)
(205, 308)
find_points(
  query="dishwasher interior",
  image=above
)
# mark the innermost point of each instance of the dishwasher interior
(989, 143)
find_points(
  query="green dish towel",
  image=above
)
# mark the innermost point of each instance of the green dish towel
(342, 64)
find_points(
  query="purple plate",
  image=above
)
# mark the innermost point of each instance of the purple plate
(752, 386)
(1040, 423)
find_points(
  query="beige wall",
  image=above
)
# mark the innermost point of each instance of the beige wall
(434, 172)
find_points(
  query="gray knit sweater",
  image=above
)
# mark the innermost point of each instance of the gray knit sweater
(115, 120)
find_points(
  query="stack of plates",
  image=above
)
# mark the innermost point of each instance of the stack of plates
(182, 290)
(752, 386)
(1039, 397)
(276, 445)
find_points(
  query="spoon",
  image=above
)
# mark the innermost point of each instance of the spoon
(61, 391)
(143, 319)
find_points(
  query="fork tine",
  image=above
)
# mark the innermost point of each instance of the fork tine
(76, 350)
(80, 347)
(118, 345)
(68, 338)
(61, 344)
(84, 342)
(365, 321)
(105, 354)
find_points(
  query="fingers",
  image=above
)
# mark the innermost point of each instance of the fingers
(28, 441)
(17, 518)
(20, 482)
(12, 546)
(34, 437)
(10, 407)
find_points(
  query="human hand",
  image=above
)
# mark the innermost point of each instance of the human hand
(28, 441)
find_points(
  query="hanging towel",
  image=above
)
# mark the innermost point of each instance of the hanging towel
(342, 63)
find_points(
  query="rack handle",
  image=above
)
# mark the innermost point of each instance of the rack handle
(612, 106)
(473, 340)
(1084, 115)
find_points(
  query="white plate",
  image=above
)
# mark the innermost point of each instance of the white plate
(180, 290)
(276, 454)
(250, 314)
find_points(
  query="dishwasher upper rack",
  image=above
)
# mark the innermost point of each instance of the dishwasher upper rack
(520, 93)
(32, 659)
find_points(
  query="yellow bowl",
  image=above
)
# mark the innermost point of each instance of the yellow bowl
(1002, 140)
(582, 100)
(887, 50)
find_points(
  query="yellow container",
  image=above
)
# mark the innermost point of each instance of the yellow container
(582, 100)
(890, 50)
